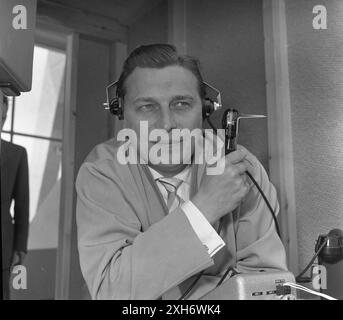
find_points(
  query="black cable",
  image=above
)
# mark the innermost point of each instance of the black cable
(299, 278)
(257, 186)
(220, 226)
(190, 288)
(272, 212)
(267, 203)
(225, 275)
(212, 125)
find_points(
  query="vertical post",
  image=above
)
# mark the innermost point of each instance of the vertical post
(177, 24)
(67, 181)
(1, 111)
(1, 280)
(279, 123)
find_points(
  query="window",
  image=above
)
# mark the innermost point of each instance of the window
(34, 121)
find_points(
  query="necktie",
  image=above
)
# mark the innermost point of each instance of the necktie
(171, 185)
(174, 200)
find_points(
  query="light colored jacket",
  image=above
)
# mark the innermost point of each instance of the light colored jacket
(131, 248)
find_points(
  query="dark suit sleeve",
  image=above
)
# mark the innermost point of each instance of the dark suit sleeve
(21, 204)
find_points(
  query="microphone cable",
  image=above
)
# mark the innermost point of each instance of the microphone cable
(190, 288)
(258, 188)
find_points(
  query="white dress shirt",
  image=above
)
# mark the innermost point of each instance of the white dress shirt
(203, 229)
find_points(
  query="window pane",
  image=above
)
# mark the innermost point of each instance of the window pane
(40, 111)
(6, 136)
(44, 158)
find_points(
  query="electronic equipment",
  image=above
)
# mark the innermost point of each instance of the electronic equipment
(332, 251)
(114, 103)
(331, 257)
(255, 286)
(230, 122)
(329, 250)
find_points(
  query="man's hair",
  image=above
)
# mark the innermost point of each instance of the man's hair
(158, 56)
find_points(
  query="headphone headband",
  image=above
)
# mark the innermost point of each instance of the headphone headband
(114, 105)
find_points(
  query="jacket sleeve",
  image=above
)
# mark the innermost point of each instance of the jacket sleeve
(117, 260)
(21, 204)
(258, 244)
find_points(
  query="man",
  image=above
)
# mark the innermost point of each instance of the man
(14, 186)
(146, 230)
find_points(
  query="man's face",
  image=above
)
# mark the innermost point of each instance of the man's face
(167, 98)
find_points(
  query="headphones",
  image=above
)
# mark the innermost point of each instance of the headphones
(116, 107)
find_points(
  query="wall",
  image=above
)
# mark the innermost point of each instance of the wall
(151, 28)
(227, 37)
(40, 267)
(91, 128)
(316, 91)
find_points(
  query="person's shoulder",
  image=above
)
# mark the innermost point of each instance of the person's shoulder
(102, 164)
(259, 174)
(102, 152)
(250, 156)
(103, 160)
(12, 147)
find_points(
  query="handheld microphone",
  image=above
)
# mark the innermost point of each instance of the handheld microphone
(230, 122)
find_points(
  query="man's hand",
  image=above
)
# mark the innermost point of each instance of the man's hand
(18, 258)
(221, 194)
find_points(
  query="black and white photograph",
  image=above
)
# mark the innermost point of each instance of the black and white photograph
(171, 150)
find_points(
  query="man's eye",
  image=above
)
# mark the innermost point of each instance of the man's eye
(181, 105)
(146, 108)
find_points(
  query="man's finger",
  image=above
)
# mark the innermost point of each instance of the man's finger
(249, 166)
(241, 167)
(236, 156)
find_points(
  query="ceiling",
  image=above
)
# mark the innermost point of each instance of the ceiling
(124, 12)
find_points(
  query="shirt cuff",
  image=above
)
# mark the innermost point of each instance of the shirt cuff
(203, 229)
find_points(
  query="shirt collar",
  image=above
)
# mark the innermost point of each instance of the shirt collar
(184, 175)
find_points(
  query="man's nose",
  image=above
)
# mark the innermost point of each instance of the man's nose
(167, 120)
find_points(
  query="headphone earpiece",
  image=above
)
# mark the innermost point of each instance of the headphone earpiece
(207, 108)
(116, 109)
